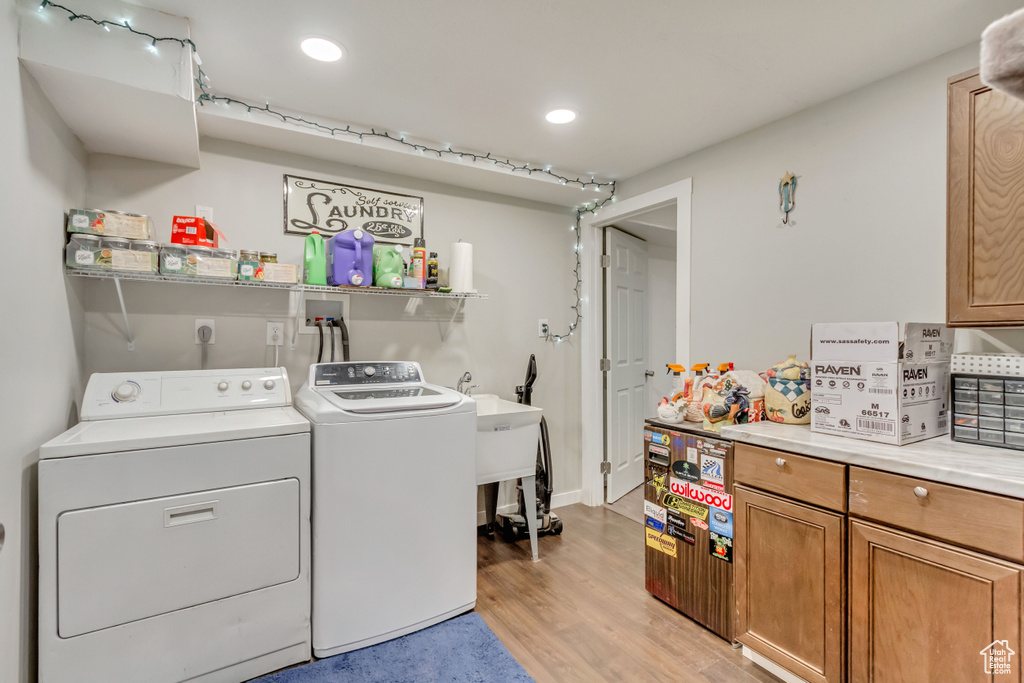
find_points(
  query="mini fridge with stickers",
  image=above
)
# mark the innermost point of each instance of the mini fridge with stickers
(688, 522)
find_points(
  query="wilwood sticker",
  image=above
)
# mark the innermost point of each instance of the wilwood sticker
(700, 494)
(661, 542)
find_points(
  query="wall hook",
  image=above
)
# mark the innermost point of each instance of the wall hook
(787, 198)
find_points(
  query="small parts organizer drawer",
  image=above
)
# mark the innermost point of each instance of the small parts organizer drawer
(983, 521)
(809, 480)
(988, 410)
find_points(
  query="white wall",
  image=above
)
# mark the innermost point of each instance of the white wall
(523, 256)
(866, 241)
(42, 175)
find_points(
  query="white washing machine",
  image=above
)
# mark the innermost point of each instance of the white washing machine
(394, 502)
(174, 530)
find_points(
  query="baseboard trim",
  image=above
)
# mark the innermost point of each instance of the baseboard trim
(560, 500)
(771, 667)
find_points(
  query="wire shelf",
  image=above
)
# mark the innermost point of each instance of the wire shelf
(250, 284)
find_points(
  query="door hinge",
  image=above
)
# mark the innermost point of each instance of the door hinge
(606, 261)
(606, 365)
(606, 467)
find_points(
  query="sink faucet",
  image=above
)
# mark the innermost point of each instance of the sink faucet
(463, 386)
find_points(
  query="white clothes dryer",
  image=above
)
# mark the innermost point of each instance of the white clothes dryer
(394, 502)
(174, 532)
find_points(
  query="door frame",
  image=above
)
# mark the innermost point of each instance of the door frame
(592, 308)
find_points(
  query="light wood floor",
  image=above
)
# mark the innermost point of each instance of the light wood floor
(631, 505)
(582, 613)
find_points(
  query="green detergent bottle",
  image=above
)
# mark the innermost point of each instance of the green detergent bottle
(315, 262)
(388, 265)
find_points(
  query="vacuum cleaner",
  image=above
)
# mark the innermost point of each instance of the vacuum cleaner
(513, 527)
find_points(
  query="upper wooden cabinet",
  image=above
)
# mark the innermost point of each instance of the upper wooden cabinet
(984, 205)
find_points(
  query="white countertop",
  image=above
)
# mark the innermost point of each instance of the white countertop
(984, 468)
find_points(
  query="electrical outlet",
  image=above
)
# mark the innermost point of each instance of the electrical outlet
(213, 330)
(275, 334)
(542, 328)
(204, 212)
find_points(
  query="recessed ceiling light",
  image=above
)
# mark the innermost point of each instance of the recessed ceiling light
(322, 49)
(560, 115)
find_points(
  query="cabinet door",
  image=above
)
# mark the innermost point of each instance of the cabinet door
(925, 611)
(789, 584)
(984, 205)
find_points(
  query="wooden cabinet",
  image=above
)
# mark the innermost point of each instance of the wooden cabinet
(789, 584)
(984, 205)
(981, 521)
(810, 480)
(924, 611)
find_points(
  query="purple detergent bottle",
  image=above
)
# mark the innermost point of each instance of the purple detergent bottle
(350, 259)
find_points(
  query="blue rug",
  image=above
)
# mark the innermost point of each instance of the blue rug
(462, 650)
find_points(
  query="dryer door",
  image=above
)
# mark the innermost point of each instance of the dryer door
(120, 563)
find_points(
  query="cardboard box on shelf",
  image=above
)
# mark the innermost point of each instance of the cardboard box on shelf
(866, 386)
(194, 231)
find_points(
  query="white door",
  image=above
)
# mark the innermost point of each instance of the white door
(626, 324)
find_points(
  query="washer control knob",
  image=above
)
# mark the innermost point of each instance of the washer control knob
(369, 371)
(246, 385)
(269, 384)
(125, 391)
(223, 386)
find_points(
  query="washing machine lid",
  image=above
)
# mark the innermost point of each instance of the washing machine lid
(338, 392)
(391, 398)
(137, 433)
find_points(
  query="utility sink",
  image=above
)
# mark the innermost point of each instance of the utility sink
(506, 439)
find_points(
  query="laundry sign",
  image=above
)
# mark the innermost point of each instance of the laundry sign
(330, 208)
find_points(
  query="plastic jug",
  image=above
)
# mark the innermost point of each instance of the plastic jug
(350, 259)
(388, 265)
(315, 261)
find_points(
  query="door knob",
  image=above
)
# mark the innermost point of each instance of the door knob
(780, 462)
(649, 373)
(920, 491)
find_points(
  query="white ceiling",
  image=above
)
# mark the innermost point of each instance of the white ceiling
(653, 80)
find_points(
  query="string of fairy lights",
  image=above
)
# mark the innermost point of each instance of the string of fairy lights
(202, 81)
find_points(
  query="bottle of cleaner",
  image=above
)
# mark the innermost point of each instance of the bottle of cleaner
(388, 265)
(315, 272)
(418, 265)
(432, 271)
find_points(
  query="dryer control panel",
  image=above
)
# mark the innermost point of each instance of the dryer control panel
(364, 373)
(136, 394)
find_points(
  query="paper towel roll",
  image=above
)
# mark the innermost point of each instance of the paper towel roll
(460, 272)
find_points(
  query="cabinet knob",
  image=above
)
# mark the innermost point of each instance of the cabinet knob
(920, 491)
(780, 462)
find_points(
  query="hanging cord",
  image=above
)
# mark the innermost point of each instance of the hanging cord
(205, 334)
(320, 353)
(330, 324)
(343, 328)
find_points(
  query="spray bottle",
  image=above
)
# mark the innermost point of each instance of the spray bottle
(418, 266)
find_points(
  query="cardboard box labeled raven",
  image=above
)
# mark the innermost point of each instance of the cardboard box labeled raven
(865, 385)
